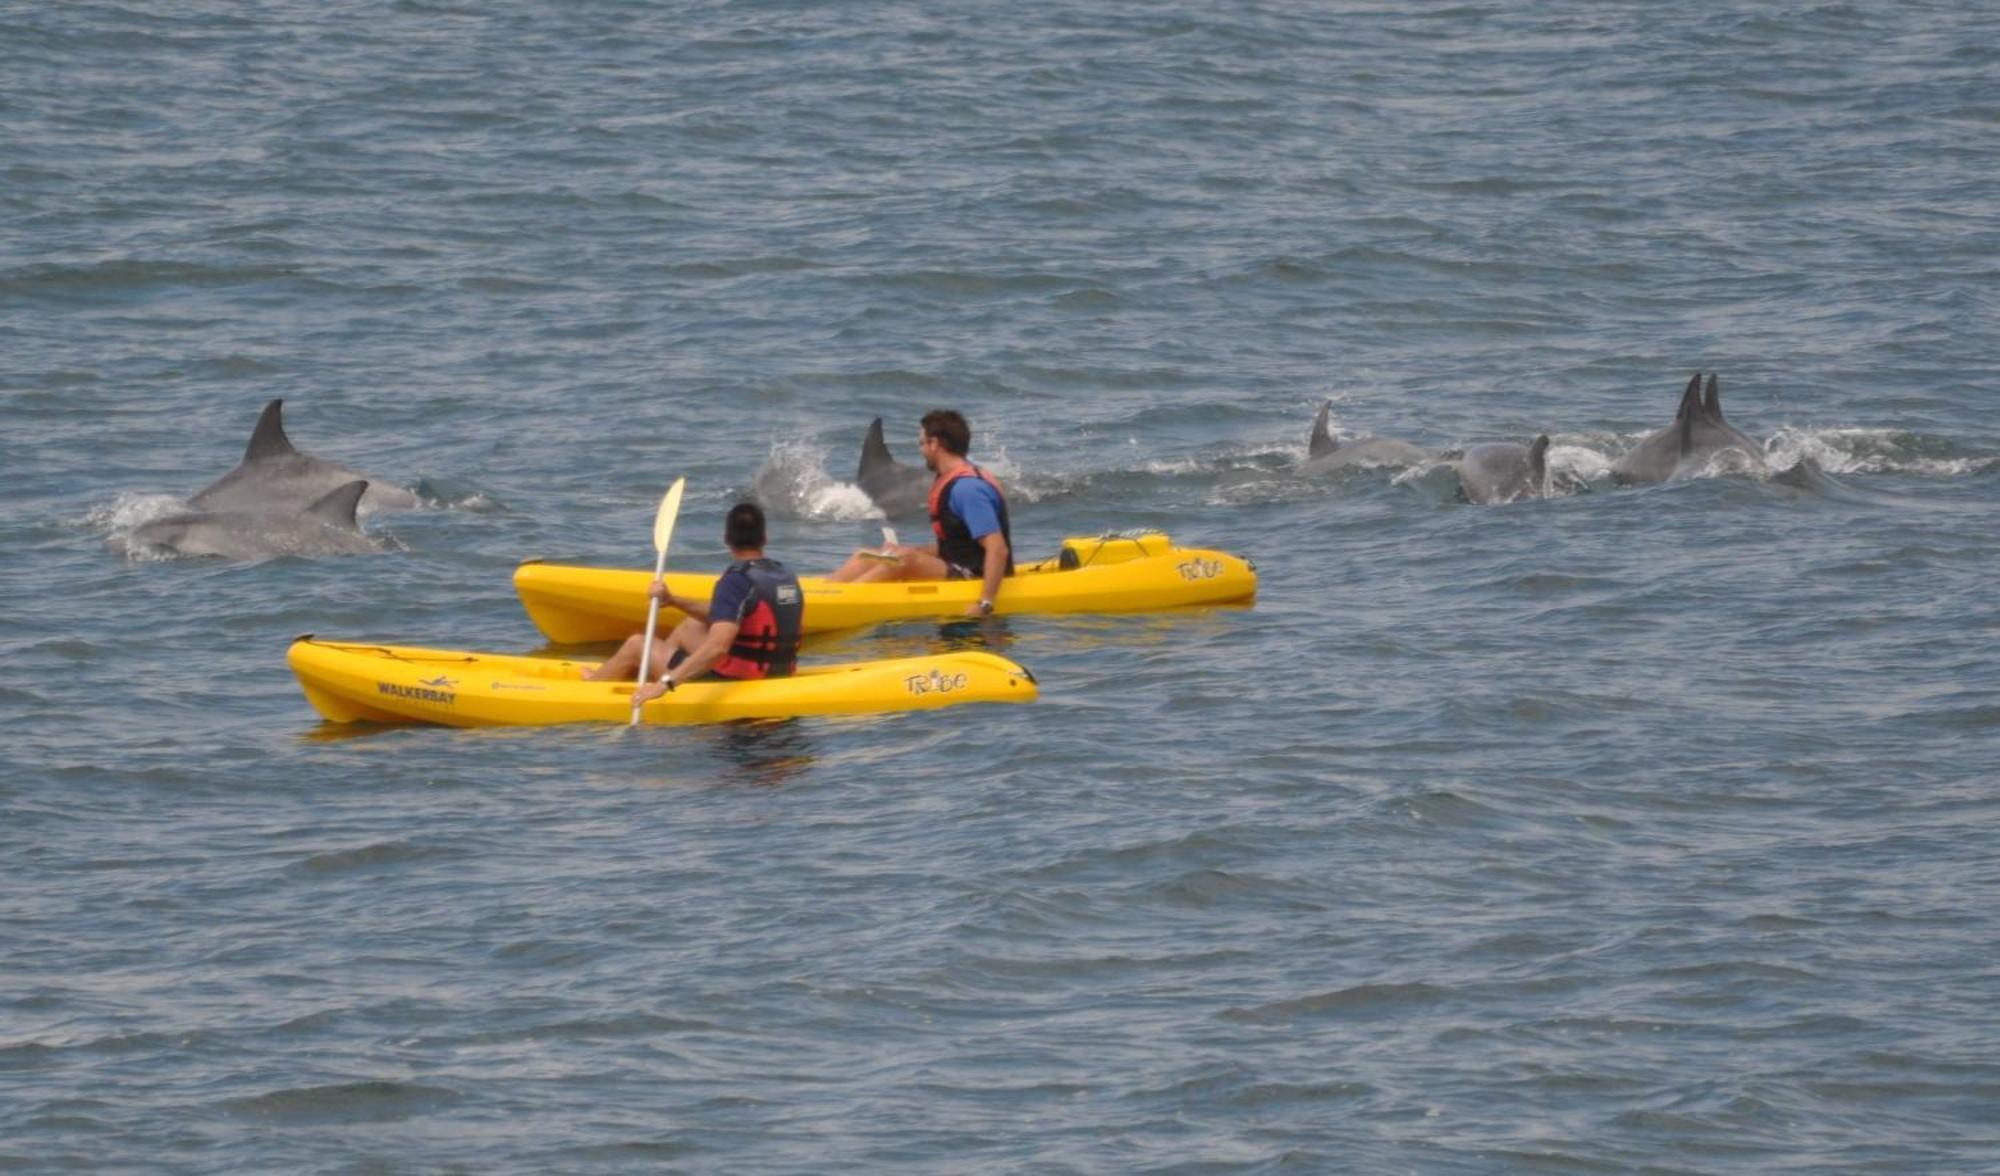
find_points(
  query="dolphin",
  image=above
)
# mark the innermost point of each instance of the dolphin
(1691, 444)
(896, 488)
(327, 527)
(1504, 471)
(275, 476)
(1324, 454)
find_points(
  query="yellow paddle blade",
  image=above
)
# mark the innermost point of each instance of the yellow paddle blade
(670, 509)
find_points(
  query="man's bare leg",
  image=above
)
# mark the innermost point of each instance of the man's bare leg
(866, 567)
(624, 665)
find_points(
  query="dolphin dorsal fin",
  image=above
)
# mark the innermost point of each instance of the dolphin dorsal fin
(1690, 399)
(268, 438)
(337, 509)
(874, 451)
(1322, 441)
(1538, 463)
(1713, 404)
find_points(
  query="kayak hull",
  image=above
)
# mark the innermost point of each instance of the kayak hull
(572, 604)
(350, 683)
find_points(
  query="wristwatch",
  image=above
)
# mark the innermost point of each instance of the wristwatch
(985, 608)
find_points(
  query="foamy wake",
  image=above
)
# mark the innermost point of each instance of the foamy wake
(1226, 459)
(1866, 451)
(1577, 464)
(447, 494)
(793, 481)
(120, 518)
(1588, 458)
(128, 512)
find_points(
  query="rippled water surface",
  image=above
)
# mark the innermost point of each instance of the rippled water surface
(1634, 828)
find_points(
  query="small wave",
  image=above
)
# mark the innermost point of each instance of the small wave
(793, 481)
(1364, 1000)
(509, 284)
(1089, 298)
(237, 367)
(1201, 889)
(1750, 971)
(1263, 1096)
(387, 853)
(28, 1055)
(964, 284)
(1448, 810)
(128, 274)
(644, 1151)
(346, 1102)
(606, 1028)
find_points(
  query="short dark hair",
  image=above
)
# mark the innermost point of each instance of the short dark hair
(950, 429)
(744, 529)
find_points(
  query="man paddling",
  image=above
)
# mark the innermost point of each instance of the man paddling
(968, 516)
(749, 628)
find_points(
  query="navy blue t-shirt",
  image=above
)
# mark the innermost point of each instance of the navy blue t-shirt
(731, 598)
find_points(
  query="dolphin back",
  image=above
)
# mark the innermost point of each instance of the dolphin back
(268, 438)
(895, 488)
(1688, 414)
(875, 453)
(1321, 442)
(275, 476)
(327, 527)
(1690, 444)
(1504, 471)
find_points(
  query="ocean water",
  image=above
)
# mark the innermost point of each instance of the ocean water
(1632, 829)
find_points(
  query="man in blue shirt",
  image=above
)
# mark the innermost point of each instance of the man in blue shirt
(968, 516)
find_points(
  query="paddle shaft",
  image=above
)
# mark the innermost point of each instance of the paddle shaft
(663, 534)
(652, 623)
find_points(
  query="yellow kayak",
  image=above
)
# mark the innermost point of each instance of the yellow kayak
(1099, 573)
(350, 683)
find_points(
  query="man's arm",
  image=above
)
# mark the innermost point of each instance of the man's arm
(995, 570)
(721, 635)
(698, 609)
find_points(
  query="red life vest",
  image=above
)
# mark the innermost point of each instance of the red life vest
(770, 625)
(954, 538)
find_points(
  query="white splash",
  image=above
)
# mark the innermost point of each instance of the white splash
(793, 480)
(128, 512)
(1576, 464)
(1863, 451)
(1420, 473)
